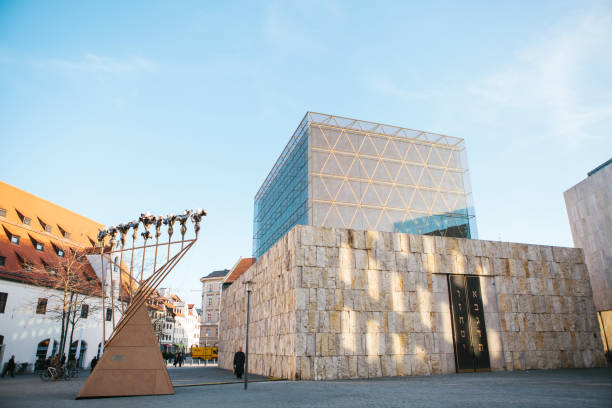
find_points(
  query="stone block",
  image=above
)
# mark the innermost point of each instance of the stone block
(429, 244)
(310, 256)
(388, 366)
(325, 237)
(356, 239)
(416, 243)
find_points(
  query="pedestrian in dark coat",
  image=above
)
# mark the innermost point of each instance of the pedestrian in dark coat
(10, 367)
(94, 361)
(239, 359)
(63, 360)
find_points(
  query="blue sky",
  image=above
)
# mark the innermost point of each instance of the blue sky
(110, 109)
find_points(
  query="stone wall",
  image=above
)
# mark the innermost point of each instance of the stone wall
(371, 304)
(589, 209)
(272, 317)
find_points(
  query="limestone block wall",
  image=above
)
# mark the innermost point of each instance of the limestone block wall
(371, 304)
(272, 316)
(589, 209)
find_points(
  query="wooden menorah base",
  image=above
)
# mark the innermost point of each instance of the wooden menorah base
(131, 365)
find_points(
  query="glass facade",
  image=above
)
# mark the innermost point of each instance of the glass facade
(282, 201)
(365, 175)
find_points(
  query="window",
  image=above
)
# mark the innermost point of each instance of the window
(84, 311)
(59, 251)
(210, 301)
(26, 265)
(26, 220)
(41, 307)
(2, 260)
(45, 226)
(3, 297)
(109, 314)
(15, 239)
(64, 233)
(208, 315)
(2, 212)
(207, 333)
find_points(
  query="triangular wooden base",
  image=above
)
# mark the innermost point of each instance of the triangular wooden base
(132, 363)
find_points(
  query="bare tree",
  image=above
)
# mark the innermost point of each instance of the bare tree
(70, 285)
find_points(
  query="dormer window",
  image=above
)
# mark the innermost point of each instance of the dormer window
(25, 220)
(45, 226)
(64, 233)
(2, 212)
(38, 245)
(26, 265)
(52, 271)
(12, 237)
(59, 251)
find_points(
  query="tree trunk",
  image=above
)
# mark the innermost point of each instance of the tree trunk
(62, 336)
(65, 334)
(72, 324)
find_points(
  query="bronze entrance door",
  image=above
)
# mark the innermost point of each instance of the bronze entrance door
(469, 331)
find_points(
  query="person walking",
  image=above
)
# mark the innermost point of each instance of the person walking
(10, 367)
(94, 361)
(239, 359)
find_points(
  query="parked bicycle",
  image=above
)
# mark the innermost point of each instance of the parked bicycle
(52, 373)
(73, 372)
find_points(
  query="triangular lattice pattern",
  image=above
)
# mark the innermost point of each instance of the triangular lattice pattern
(367, 180)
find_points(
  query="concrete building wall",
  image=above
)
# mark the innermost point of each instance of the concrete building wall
(337, 303)
(589, 209)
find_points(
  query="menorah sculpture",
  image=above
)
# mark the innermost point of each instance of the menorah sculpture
(132, 363)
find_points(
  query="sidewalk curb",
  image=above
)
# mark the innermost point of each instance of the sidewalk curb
(269, 379)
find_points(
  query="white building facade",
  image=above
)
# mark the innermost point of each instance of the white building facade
(29, 332)
(211, 301)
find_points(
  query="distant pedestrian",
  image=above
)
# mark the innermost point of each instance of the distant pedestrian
(175, 359)
(181, 359)
(10, 367)
(63, 360)
(94, 361)
(239, 359)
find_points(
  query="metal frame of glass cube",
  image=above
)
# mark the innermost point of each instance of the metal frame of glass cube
(349, 173)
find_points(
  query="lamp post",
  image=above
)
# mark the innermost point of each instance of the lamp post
(249, 288)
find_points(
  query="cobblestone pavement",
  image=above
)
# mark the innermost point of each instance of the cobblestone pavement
(559, 388)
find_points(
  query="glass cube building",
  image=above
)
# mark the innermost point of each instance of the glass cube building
(349, 173)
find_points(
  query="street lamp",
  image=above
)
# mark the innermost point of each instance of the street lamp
(249, 288)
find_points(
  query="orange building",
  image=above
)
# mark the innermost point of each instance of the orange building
(35, 237)
(35, 232)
